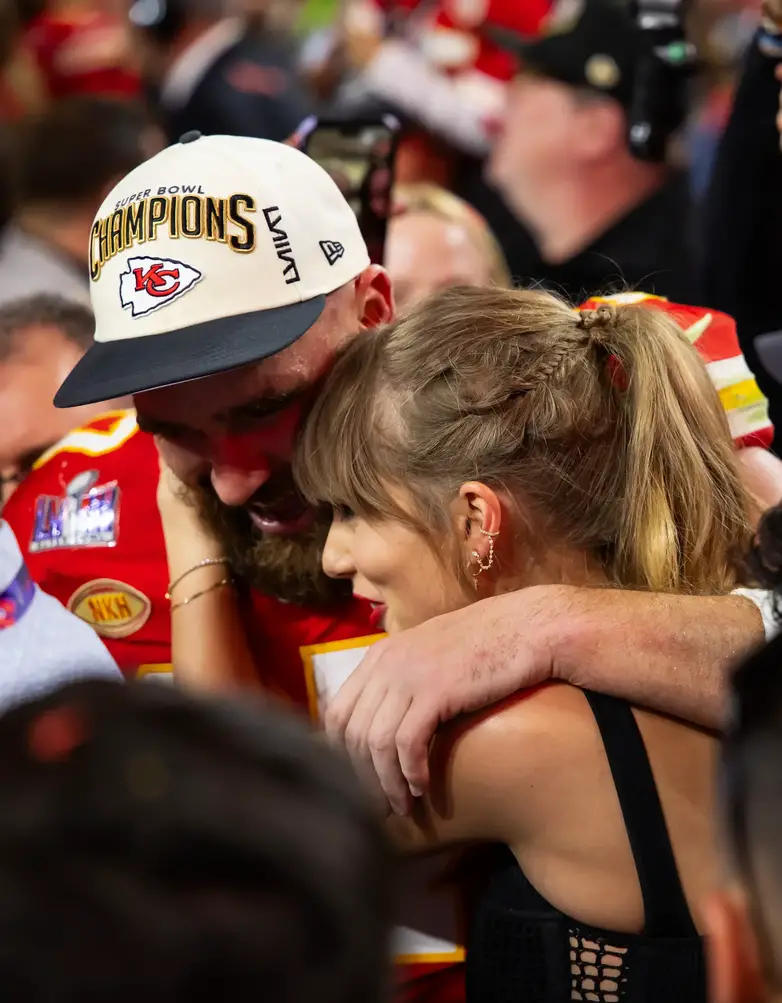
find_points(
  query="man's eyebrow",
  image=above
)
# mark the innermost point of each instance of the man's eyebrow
(263, 406)
(154, 427)
(258, 408)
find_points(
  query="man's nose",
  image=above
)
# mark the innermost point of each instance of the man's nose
(239, 468)
(337, 559)
(236, 485)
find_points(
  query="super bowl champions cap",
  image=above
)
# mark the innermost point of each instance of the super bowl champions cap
(218, 252)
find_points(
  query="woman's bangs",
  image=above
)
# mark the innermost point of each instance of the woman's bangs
(342, 458)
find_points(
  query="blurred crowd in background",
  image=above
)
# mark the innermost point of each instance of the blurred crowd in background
(61, 48)
(311, 55)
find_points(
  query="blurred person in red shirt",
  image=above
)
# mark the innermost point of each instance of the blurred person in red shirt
(84, 47)
(22, 88)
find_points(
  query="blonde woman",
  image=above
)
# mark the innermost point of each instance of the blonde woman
(436, 240)
(495, 440)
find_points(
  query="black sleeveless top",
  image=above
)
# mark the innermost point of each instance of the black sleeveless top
(523, 950)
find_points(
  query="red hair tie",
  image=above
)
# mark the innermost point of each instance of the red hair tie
(617, 373)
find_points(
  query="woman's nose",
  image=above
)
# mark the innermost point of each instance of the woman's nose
(337, 559)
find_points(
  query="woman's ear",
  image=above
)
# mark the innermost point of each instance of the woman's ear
(479, 515)
(374, 297)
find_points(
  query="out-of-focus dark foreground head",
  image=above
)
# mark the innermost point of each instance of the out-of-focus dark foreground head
(161, 848)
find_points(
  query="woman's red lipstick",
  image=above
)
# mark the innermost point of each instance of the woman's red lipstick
(377, 616)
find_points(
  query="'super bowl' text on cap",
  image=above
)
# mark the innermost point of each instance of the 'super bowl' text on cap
(218, 252)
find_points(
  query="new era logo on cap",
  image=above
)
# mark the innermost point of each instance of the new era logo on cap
(333, 250)
(150, 283)
(217, 253)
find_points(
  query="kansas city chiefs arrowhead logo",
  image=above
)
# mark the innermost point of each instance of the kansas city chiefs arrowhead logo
(151, 283)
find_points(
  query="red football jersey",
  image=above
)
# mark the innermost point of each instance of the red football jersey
(716, 339)
(87, 521)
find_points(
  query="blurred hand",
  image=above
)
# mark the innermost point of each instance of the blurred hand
(389, 709)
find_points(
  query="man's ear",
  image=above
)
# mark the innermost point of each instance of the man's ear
(374, 297)
(735, 974)
(600, 127)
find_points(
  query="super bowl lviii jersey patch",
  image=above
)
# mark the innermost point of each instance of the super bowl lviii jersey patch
(83, 509)
(86, 514)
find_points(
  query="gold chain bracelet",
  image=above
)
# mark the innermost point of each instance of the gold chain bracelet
(203, 592)
(208, 562)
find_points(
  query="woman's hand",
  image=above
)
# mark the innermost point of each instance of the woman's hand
(179, 515)
(209, 648)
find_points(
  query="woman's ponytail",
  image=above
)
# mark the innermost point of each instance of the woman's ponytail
(681, 479)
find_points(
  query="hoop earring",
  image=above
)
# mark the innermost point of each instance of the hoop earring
(478, 560)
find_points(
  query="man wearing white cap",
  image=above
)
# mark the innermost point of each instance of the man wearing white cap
(225, 274)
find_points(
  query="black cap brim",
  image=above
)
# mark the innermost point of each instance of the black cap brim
(510, 41)
(549, 56)
(769, 349)
(119, 368)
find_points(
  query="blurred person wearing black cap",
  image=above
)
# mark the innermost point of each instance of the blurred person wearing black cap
(217, 73)
(601, 217)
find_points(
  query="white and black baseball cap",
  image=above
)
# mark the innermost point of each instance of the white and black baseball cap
(218, 252)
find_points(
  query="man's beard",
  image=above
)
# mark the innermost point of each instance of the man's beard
(286, 567)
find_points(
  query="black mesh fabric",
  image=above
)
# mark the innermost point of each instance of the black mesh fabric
(523, 950)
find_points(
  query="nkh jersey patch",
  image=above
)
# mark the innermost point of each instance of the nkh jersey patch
(428, 929)
(111, 608)
(147, 284)
(86, 515)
